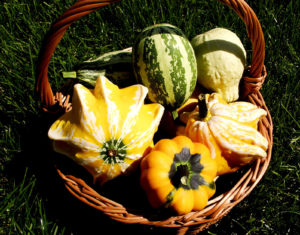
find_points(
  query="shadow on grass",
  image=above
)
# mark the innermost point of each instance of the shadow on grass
(71, 215)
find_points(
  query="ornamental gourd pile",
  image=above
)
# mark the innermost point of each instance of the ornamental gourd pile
(110, 130)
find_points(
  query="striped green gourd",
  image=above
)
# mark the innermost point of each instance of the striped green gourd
(115, 65)
(164, 61)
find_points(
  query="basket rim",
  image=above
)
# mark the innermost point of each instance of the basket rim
(217, 207)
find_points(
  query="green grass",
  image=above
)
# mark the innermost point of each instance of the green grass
(32, 197)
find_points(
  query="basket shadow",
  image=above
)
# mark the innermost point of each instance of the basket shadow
(66, 210)
(38, 159)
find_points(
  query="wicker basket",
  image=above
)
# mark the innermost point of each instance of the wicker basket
(217, 207)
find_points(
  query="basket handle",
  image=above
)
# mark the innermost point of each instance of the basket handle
(52, 103)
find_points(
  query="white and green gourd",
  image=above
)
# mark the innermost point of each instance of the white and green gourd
(164, 61)
(115, 65)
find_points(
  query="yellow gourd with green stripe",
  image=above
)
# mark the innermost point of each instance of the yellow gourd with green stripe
(229, 130)
(108, 129)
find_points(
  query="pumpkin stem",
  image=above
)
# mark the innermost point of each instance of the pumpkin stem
(202, 106)
(181, 176)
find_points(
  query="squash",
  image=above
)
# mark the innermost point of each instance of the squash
(229, 130)
(108, 129)
(115, 65)
(221, 59)
(178, 174)
(165, 62)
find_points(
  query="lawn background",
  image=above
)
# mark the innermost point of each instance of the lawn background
(32, 197)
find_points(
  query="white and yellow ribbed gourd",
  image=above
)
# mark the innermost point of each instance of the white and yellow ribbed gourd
(108, 129)
(229, 130)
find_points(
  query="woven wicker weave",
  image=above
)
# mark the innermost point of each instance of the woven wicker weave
(219, 206)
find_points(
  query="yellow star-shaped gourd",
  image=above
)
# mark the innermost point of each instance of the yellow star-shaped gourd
(108, 129)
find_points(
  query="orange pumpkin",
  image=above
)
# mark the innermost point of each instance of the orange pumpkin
(178, 174)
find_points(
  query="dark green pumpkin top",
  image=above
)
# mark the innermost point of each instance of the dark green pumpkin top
(185, 171)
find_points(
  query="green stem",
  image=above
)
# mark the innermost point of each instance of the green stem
(174, 114)
(69, 74)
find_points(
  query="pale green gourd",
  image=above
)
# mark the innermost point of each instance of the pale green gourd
(221, 59)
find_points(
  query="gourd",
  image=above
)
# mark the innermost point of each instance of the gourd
(115, 65)
(229, 130)
(221, 59)
(164, 61)
(108, 129)
(178, 174)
